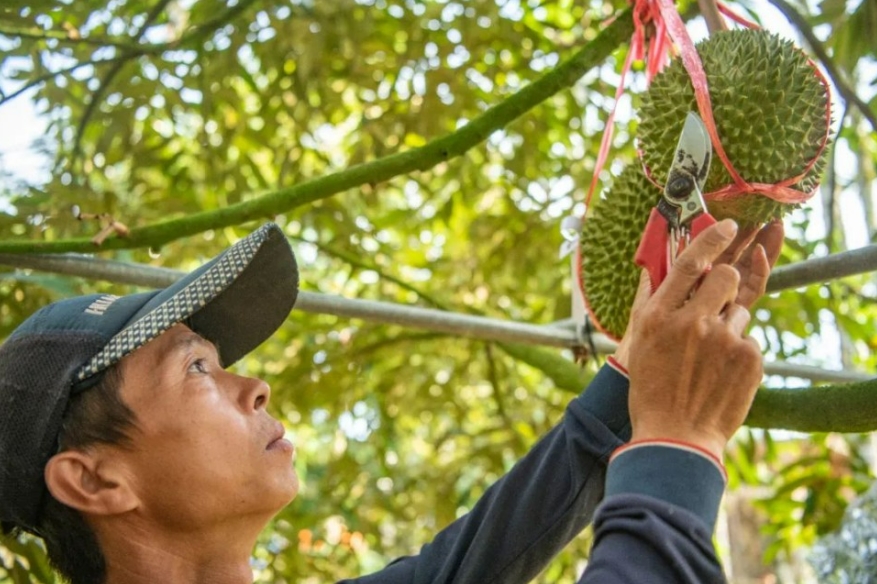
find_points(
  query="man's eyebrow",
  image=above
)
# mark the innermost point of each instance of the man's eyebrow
(186, 341)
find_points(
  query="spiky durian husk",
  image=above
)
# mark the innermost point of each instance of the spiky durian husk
(770, 112)
(610, 237)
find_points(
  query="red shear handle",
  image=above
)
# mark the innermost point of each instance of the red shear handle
(653, 251)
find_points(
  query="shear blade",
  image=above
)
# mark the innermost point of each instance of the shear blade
(688, 173)
(694, 150)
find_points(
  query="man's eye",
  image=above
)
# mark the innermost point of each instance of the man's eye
(198, 366)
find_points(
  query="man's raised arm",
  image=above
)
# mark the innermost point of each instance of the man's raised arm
(693, 373)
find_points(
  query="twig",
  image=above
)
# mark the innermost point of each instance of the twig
(357, 262)
(834, 72)
(63, 37)
(709, 9)
(417, 159)
(205, 28)
(493, 378)
(48, 76)
(107, 79)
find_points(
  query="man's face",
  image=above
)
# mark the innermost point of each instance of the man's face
(204, 451)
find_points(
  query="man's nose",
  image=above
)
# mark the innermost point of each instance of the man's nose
(255, 394)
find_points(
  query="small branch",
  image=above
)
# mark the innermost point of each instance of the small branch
(130, 51)
(49, 76)
(562, 372)
(418, 159)
(357, 262)
(498, 398)
(37, 34)
(107, 79)
(96, 97)
(709, 9)
(834, 72)
(203, 29)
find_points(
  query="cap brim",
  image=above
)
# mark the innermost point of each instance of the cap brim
(237, 300)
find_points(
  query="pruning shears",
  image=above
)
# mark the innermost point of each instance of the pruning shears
(681, 214)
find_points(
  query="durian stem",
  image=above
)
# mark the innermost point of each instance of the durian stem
(709, 9)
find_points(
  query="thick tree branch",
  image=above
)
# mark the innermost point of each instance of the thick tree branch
(418, 159)
(834, 72)
(848, 407)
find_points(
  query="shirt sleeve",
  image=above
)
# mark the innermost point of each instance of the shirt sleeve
(524, 519)
(656, 522)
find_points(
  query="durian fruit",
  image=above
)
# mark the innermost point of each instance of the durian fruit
(610, 237)
(770, 112)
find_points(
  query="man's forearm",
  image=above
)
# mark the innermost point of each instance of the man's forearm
(530, 514)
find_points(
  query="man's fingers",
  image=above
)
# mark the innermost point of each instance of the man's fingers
(739, 246)
(691, 264)
(737, 318)
(754, 271)
(771, 239)
(718, 289)
(643, 290)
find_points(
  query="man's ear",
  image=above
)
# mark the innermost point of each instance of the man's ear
(89, 483)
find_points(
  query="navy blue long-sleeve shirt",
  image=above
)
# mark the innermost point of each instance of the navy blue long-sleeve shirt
(655, 508)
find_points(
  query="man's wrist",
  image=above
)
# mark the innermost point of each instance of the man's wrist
(710, 445)
(679, 474)
(606, 399)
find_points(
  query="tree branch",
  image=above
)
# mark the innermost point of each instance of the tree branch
(847, 407)
(38, 34)
(49, 76)
(836, 75)
(816, 270)
(197, 32)
(104, 84)
(709, 9)
(417, 159)
(357, 262)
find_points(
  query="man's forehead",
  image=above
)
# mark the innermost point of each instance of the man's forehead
(179, 338)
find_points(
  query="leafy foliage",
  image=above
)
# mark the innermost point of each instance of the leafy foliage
(163, 110)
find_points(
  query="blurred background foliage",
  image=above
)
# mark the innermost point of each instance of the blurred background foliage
(160, 109)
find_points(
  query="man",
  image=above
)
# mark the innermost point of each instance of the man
(131, 450)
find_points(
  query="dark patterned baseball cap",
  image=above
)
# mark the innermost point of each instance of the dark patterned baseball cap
(237, 300)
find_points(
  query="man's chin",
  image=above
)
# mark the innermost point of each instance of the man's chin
(287, 489)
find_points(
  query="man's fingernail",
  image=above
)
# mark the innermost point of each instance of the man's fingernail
(728, 228)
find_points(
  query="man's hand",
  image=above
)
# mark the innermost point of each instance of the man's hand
(753, 252)
(693, 369)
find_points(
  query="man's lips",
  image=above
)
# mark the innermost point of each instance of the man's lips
(278, 442)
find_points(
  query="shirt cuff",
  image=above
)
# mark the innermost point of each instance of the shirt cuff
(606, 399)
(677, 473)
